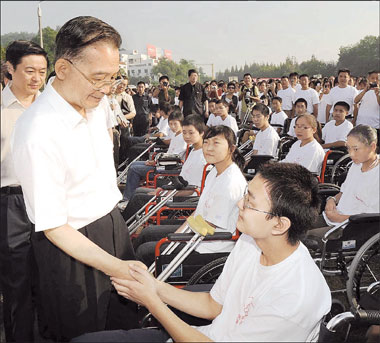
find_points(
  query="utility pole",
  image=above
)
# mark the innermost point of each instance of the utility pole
(39, 13)
(208, 64)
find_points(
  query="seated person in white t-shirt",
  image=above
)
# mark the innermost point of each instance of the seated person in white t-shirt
(266, 140)
(334, 133)
(223, 117)
(278, 117)
(270, 289)
(306, 151)
(360, 191)
(193, 129)
(300, 107)
(224, 186)
(138, 169)
(211, 121)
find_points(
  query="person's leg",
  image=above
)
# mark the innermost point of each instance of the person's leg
(134, 335)
(138, 200)
(16, 262)
(136, 172)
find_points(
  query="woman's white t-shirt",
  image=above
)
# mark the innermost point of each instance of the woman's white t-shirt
(310, 155)
(192, 169)
(218, 205)
(283, 302)
(266, 142)
(360, 192)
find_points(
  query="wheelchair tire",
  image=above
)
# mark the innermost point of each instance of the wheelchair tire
(364, 270)
(208, 273)
(340, 170)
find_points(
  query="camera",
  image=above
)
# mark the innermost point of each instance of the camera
(213, 87)
(165, 83)
(373, 85)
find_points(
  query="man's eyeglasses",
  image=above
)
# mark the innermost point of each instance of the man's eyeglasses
(246, 204)
(97, 85)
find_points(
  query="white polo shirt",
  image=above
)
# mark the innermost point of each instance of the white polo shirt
(11, 110)
(64, 162)
(266, 142)
(287, 96)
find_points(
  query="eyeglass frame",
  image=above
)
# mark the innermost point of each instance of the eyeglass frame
(246, 205)
(93, 83)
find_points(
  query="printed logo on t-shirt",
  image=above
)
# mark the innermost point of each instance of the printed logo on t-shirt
(241, 317)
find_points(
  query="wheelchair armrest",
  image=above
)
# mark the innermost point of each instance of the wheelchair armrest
(181, 204)
(365, 218)
(166, 172)
(183, 237)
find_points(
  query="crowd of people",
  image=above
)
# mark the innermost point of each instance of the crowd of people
(64, 245)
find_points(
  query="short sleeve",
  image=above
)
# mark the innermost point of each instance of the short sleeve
(181, 96)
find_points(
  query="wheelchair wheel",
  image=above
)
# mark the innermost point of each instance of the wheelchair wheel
(208, 273)
(364, 270)
(340, 170)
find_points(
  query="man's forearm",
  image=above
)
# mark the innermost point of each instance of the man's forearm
(328, 108)
(333, 144)
(130, 116)
(315, 110)
(78, 246)
(198, 304)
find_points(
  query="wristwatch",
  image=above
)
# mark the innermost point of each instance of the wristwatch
(332, 197)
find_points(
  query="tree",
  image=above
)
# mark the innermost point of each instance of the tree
(362, 57)
(48, 36)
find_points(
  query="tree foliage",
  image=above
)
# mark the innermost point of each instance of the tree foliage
(48, 37)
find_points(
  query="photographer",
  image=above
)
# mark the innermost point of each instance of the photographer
(162, 91)
(213, 93)
(369, 99)
(249, 92)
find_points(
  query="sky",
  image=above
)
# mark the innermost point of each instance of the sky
(225, 33)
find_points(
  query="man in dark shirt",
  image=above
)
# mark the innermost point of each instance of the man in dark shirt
(193, 96)
(162, 91)
(142, 103)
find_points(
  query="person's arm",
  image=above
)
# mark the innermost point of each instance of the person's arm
(206, 108)
(333, 144)
(110, 132)
(328, 108)
(78, 246)
(180, 104)
(331, 210)
(154, 294)
(315, 110)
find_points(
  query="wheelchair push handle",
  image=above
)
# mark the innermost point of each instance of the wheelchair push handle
(370, 317)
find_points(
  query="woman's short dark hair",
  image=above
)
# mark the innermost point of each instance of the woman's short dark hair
(80, 32)
(230, 137)
(293, 193)
(195, 120)
(21, 48)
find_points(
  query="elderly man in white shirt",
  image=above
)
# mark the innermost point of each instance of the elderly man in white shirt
(63, 158)
(27, 64)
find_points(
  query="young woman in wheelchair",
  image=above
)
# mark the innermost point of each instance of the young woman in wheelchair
(193, 129)
(306, 151)
(360, 191)
(270, 289)
(224, 186)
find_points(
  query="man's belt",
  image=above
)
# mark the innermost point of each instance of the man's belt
(11, 190)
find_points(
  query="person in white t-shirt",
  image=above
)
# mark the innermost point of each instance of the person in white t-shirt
(306, 151)
(286, 94)
(293, 79)
(270, 289)
(193, 129)
(341, 92)
(138, 169)
(224, 186)
(223, 117)
(323, 100)
(307, 93)
(266, 140)
(334, 133)
(369, 99)
(278, 116)
(360, 192)
(211, 121)
(300, 107)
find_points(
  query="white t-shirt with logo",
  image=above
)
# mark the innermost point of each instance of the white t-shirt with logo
(218, 205)
(310, 95)
(283, 302)
(369, 110)
(266, 142)
(192, 169)
(332, 133)
(287, 97)
(346, 94)
(360, 192)
(310, 155)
